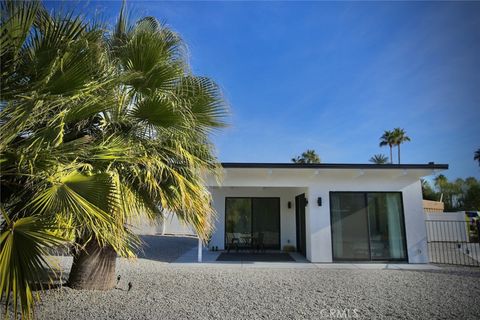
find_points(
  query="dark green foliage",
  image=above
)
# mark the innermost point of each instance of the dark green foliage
(472, 198)
(428, 192)
(458, 195)
(379, 159)
(309, 156)
(96, 130)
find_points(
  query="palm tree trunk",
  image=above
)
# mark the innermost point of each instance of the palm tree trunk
(391, 155)
(398, 153)
(93, 268)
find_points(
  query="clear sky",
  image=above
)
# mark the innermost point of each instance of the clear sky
(333, 76)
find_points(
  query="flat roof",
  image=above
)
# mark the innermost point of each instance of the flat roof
(266, 165)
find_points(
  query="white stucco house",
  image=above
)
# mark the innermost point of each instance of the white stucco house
(327, 212)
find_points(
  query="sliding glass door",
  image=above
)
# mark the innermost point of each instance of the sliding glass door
(257, 219)
(367, 226)
(349, 227)
(385, 216)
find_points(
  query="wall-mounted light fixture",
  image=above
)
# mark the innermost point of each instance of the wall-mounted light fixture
(319, 201)
(289, 204)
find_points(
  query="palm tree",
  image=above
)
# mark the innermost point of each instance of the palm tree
(477, 156)
(309, 156)
(95, 132)
(440, 182)
(444, 187)
(427, 191)
(399, 136)
(388, 139)
(379, 159)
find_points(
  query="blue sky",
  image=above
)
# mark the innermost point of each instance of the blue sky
(333, 76)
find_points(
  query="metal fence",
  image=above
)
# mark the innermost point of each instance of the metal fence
(453, 242)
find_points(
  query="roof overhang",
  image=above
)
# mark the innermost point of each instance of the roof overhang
(294, 174)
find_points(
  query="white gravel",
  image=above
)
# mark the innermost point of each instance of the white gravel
(171, 291)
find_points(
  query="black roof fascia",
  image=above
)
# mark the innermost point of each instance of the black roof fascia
(260, 165)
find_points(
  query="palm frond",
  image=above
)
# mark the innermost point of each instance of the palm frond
(17, 19)
(97, 130)
(158, 112)
(205, 101)
(23, 268)
(86, 199)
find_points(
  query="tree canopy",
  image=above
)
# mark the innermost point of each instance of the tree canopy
(309, 156)
(393, 138)
(99, 127)
(379, 159)
(458, 195)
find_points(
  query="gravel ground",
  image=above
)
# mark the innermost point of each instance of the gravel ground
(171, 291)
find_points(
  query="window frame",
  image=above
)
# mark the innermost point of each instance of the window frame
(402, 217)
(251, 222)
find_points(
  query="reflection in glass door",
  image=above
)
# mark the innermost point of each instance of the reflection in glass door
(253, 220)
(367, 226)
(349, 227)
(386, 227)
(266, 221)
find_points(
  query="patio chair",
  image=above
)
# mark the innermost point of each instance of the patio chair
(259, 243)
(232, 242)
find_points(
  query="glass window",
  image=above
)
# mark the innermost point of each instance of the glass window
(238, 218)
(266, 221)
(386, 226)
(253, 220)
(349, 227)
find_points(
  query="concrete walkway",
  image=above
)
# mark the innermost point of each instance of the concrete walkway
(210, 258)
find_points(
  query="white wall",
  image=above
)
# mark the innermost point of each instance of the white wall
(287, 216)
(173, 225)
(319, 217)
(144, 226)
(316, 184)
(169, 225)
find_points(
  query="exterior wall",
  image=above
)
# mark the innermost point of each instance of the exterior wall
(143, 226)
(169, 225)
(172, 225)
(287, 216)
(289, 183)
(319, 217)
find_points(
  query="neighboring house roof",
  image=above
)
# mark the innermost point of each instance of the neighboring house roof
(260, 165)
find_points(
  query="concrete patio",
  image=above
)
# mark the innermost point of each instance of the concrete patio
(190, 257)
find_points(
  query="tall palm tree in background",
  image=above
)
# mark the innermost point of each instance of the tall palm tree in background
(388, 139)
(379, 159)
(309, 156)
(476, 156)
(399, 137)
(95, 132)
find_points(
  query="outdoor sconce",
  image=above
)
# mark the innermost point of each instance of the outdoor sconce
(289, 204)
(319, 201)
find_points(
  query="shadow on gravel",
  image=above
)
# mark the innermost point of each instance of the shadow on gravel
(165, 248)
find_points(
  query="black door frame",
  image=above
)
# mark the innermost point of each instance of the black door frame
(251, 222)
(300, 224)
